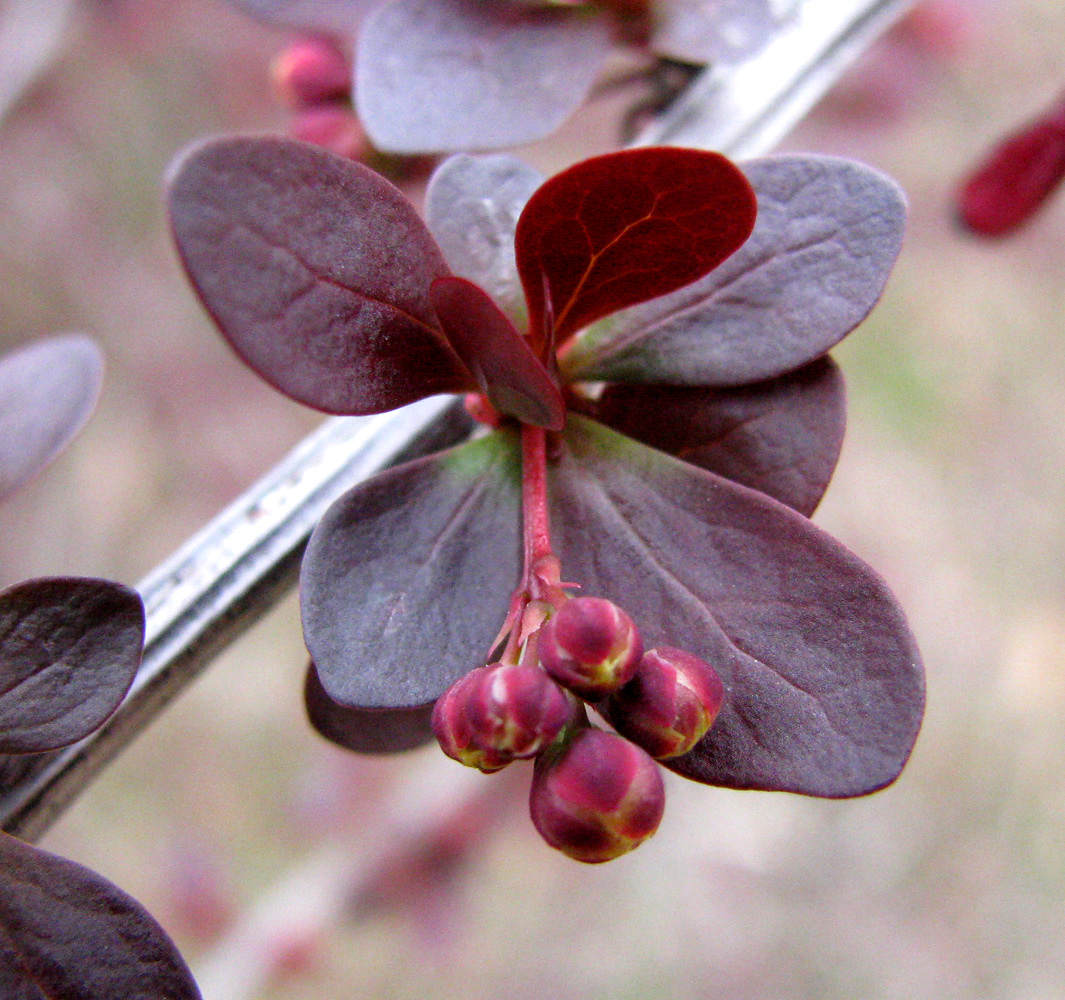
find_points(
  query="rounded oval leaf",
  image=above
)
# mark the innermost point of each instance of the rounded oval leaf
(450, 75)
(827, 236)
(48, 391)
(317, 272)
(69, 650)
(824, 684)
(67, 933)
(408, 576)
(721, 32)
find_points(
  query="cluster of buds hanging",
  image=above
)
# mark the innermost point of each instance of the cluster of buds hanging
(595, 794)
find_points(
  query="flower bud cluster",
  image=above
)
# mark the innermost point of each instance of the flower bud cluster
(595, 794)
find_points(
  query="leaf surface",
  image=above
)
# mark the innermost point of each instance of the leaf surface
(408, 576)
(472, 206)
(782, 437)
(450, 75)
(617, 229)
(825, 689)
(724, 31)
(69, 649)
(365, 730)
(827, 236)
(341, 17)
(317, 272)
(48, 391)
(67, 933)
(500, 358)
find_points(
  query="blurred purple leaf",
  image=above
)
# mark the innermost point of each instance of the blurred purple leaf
(827, 235)
(408, 576)
(782, 437)
(448, 75)
(472, 206)
(67, 933)
(825, 690)
(48, 391)
(316, 270)
(718, 31)
(507, 372)
(339, 17)
(366, 730)
(69, 649)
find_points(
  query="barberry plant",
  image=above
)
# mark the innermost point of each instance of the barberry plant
(636, 291)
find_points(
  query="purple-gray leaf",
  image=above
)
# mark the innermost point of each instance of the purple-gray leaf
(48, 390)
(472, 206)
(408, 576)
(782, 437)
(69, 649)
(366, 730)
(450, 75)
(827, 235)
(825, 689)
(340, 17)
(317, 271)
(721, 31)
(67, 933)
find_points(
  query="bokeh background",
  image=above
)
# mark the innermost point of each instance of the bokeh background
(244, 833)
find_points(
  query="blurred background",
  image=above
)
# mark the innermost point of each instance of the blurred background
(949, 884)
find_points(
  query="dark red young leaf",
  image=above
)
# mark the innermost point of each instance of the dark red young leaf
(1016, 178)
(782, 437)
(316, 270)
(69, 649)
(48, 390)
(407, 578)
(626, 227)
(449, 75)
(500, 358)
(67, 933)
(366, 730)
(827, 236)
(825, 689)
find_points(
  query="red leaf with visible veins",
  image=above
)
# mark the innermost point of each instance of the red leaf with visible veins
(626, 227)
(508, 372)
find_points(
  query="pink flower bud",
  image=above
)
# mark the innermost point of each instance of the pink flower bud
(597, 798)
(669, 704)
(451, 726)
(591, 646)
(334, 128)
(311, 72)
(516, 709)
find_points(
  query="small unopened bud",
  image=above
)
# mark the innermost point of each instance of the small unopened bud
(597, 798)
(451, 726)
(670, 703)
(516, 709)
(311, 72)
(591, 646)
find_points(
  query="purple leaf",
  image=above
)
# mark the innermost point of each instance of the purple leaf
(48, 390)
(340, 17)
(67, 933)
(722, 31)
(69, 649)
(827, 235)
(366, 730)
(507, 371)
(449, 75)
(782, 437)
(316, 270)
(408, 577)
(472, 206)
(824, 684)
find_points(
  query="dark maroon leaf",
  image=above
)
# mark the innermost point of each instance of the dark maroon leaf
(827, 235)
(341, 17)
(67, 933)
(472, 206)
(48, 390)
(317, 271)
(69, 649)
(824, 684)
(782, 437)
(366, 730)
(507, 371)
(448, 75)
(408, 577)
(625, 227)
